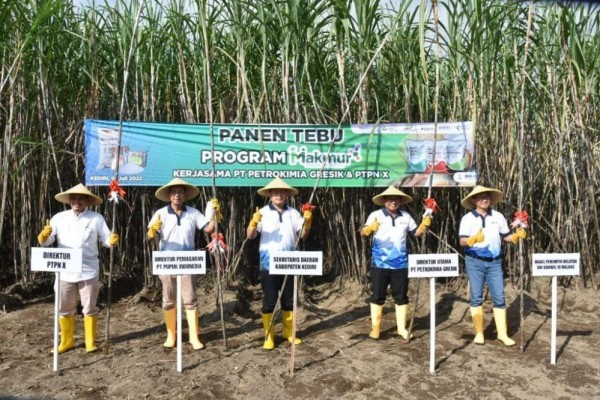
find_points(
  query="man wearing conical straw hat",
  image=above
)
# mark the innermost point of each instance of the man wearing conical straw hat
(481, 233)
(176, 226)
(278, 225)
(79, 228)
(390, 228)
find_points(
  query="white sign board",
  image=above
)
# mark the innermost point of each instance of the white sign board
(554, 264)
(432, 265)
(52, 259)
(179, 262)
(296, 263)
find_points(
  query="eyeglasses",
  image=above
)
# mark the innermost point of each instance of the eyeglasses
(179, 192)
(77, 197)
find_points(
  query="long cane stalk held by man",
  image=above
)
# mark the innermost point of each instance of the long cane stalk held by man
(132, 46)
(435, 126)
(358, 86)
(207, 81)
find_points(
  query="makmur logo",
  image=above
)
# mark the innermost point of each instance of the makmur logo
(316, 158)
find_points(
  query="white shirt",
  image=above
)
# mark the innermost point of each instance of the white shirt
(83, 231)
(278, 231)
(389, 249)
(178, 231)
(494, 229)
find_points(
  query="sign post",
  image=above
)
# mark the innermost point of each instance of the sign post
(56, 317)
(295, 263)
(554, 264)
(57, 260)
(432, 266)
(179, 263)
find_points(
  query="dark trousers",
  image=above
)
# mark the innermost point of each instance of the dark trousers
(271, 284)
(397, 278)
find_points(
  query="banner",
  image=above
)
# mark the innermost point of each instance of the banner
(252, 155)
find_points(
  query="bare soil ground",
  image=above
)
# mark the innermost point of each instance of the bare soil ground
(336, 359)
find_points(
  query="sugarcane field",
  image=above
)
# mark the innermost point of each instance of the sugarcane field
(299, 199)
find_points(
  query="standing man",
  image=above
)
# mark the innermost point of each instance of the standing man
(481, 233)
(79, 228)
(389, 255)
(176, 226)
(279, 226)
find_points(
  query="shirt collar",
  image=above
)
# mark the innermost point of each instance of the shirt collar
(80, 214)
(171, 211)
(388, 214)
(272, 207)
(476, 214)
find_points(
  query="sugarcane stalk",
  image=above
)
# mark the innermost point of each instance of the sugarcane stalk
(207, 77)
(521, 173)
(132, 44)
(435, 126)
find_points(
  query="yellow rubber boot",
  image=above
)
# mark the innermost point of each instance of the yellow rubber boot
(171, 324)
(500, 318)
(477, 316)
(376, 313)
(401, 317)
(67, 331)
(287, 322)
(192, 319)
(270, 335)
(90, 322)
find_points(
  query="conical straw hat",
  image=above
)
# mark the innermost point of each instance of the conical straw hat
(79, 189)
(191, 191)
(276, 183)
(392, 191)
(496, 196)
